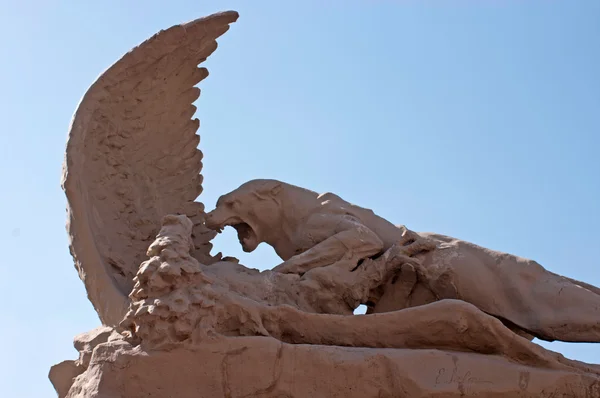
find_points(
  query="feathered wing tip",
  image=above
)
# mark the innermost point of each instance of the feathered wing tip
(132, 158)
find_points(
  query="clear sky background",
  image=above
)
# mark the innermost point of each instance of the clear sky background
(476, 119)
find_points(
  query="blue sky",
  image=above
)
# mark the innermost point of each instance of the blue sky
(476, 119)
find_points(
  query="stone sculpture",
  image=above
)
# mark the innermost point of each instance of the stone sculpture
(309, 230)
(178, 321)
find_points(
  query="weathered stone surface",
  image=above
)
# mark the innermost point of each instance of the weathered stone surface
(181, 312)
(264, 367)
(310, 230)
(446, 318)
(132, 158)
(63, 375)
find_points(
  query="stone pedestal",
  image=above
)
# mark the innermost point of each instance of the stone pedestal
(264, 367)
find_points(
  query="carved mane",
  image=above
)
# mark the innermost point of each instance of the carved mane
(132, 158)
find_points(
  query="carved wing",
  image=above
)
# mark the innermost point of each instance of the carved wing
(132, 158)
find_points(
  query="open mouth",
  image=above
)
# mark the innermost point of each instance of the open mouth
(219, 227)
(246, 235)
(244, 231)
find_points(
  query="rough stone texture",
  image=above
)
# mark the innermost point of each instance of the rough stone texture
(182, 306)
(265, 367)
(446, 317)
(132, 158)
(175, 297)
(178, 301)
(310, 230)
(63, 376)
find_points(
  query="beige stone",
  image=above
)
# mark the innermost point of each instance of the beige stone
(446, 317)
(179, 305)
(178, 301)
(310, 230)
(132, 158)
(263, 367)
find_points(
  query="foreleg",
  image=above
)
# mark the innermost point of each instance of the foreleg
(348, 247)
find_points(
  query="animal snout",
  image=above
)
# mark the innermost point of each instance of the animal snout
(209, 220)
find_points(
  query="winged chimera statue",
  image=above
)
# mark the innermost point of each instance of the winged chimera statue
(132, 159)
(141, 244)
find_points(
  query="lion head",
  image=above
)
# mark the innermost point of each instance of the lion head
(253, 210)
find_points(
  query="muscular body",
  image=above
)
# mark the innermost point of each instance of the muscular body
(177, 299)
(308, 230)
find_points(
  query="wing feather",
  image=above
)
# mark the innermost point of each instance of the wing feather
(132, 158)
